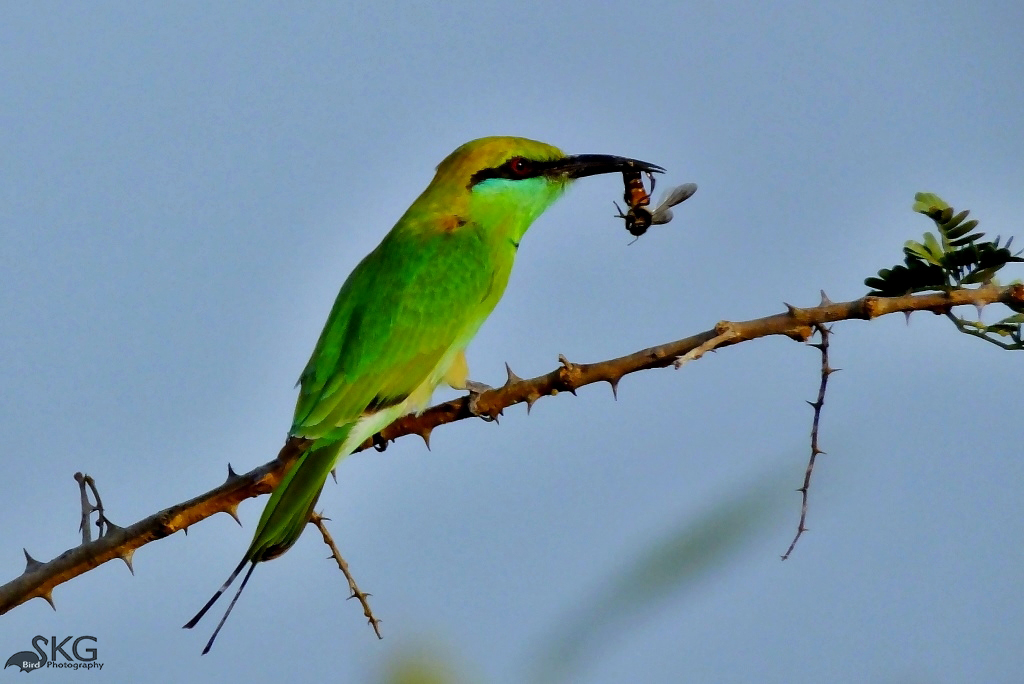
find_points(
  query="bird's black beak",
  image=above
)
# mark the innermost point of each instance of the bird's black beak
(580, 165)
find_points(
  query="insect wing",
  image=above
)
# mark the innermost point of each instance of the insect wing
(661, 215)
(677, 195)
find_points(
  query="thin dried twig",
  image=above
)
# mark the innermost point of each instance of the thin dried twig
(318, 520)
(85, 527)
(965, 327)
(88, 508)
(826, 370)
(39, 578)
(724, 334)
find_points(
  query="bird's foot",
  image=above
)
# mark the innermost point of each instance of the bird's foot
(475, 389)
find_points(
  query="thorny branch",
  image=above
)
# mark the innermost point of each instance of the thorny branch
(39, 578)
(318, 519)
(826, 370)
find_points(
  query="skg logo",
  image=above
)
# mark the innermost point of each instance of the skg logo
(82, 656)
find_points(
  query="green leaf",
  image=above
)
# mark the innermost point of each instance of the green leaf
(874, 283)
(1001, 330)
(955, 220)
(934, 249)
(954, 255)
(980, 276)
(928, 203)
(917, 249)
(961, 230)
(966, 240)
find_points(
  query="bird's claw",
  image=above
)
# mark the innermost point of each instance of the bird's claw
(475, 389)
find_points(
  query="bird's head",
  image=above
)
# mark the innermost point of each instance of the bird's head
(505, 176)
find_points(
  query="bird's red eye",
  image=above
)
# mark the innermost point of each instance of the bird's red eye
(519, 166)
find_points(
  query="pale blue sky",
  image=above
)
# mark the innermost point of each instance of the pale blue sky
(185, 187)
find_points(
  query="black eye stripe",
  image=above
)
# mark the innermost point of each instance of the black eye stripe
(528, 169)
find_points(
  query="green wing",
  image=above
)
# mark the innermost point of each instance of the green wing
(418, 295)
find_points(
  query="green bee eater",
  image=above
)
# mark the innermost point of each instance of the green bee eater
(403, 318)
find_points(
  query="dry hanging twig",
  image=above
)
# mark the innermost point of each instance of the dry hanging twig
(826, 371)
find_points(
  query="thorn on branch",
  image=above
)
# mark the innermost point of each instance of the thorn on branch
(512, 377)
(31, 564)
(110, 530)
(126, 556)
(232, 510)
(232, 475)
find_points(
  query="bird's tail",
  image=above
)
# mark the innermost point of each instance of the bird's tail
(209, 604)
(283, 519)
(292, 501)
